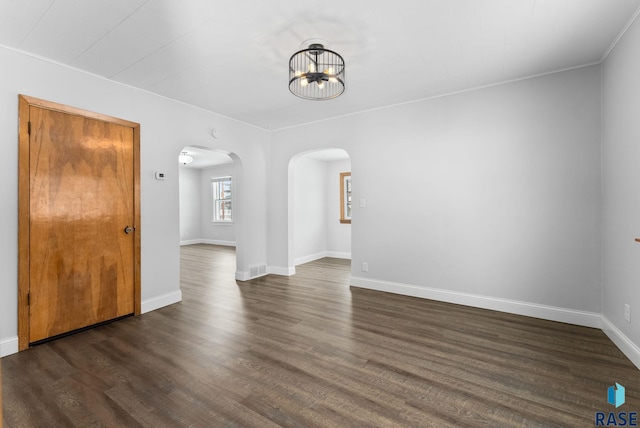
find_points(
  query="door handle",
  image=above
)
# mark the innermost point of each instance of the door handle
(128, 230)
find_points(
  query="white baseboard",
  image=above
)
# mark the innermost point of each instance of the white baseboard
(321, 255)
(218, 242)
(628, 348)
(242, 276)
(552, 313)
(271, 270)
(161, 301)
(283, 271)
(338, 255)
(8, 346)
(309, 258)
(189, 242)
(209, 242)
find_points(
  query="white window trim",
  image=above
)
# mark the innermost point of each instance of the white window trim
(213, 200)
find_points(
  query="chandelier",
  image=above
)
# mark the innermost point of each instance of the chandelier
(316, 73)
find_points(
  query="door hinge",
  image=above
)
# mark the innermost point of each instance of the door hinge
(29, 128)
(28, 299)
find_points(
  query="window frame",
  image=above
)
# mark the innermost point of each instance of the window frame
(215, 183)
(346, 200)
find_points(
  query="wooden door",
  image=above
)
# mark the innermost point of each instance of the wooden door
(83, 255)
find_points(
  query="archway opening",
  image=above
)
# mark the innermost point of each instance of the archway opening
(315, 200)
(209, 185)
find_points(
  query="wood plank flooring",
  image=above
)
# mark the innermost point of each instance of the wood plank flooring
(308, 351)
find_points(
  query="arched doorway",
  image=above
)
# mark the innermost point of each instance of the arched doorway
(209, 185)
(315, 229)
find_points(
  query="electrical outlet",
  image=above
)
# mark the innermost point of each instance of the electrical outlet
(627, 312)
(365, 267)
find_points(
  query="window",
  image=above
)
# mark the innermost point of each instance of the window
(345, 197)
(222, 199)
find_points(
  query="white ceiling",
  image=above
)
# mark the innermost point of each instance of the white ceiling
(232, 57)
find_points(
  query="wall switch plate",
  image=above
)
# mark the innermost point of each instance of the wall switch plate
(160, 176)
(365, 267)
(627, 312)
(363, 203)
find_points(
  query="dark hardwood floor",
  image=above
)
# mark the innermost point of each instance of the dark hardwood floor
(309, 351)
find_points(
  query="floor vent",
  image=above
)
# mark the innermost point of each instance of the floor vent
(257, 271)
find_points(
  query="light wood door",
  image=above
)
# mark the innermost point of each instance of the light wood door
(82, 222)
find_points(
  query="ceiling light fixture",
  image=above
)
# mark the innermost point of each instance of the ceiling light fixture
(184, 158)
(316, 73)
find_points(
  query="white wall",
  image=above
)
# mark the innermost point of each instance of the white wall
(621, 188)
(216, 233)
(166, 127)
(189, 204)
(338, 234)
(498, 192)
(309, 212)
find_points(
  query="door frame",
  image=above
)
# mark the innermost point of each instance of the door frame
(24, 103)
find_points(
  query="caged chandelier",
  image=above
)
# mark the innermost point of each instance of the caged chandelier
(316, 73)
